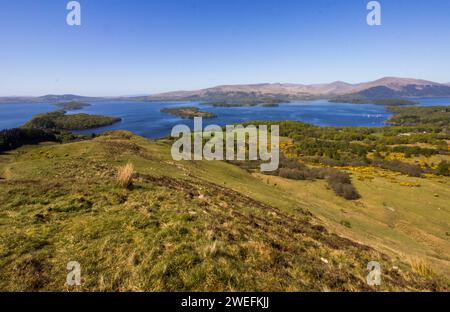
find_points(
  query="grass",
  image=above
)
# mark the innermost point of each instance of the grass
(420, 266)
(183, 226)
(125, 175)
(390, 216)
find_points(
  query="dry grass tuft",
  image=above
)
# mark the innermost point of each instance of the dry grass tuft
(7, 174)
(211, 249)
(420, 266)
(125, 175)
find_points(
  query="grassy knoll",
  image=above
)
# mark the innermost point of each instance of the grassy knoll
(177, 226)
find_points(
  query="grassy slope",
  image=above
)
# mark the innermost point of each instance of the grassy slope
(403, 221)
(183, 226)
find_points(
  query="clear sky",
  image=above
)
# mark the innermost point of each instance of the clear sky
(128, 47)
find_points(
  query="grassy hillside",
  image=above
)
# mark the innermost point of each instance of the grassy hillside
(400, 173)
(402, 216)
(178, 226)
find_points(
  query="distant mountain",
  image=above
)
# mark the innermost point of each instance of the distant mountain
(385, 88)
(381, 89)
(393, 83)
(409, 91)
(66, 98)
(50, 98)
(390, 87)
(261, 90)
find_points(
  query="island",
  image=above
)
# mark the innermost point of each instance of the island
(229, 104)
(59, 120)
(385, 102)
(72, 105)
(188, 112)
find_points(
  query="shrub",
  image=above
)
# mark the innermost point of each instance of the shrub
(396, 165)
(339, 177)
(443, 168)
(346, 223)
(293, 174)
(293, 169)
(342, 185)
(125, 175)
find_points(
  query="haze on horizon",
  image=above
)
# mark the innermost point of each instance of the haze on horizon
(147, 47)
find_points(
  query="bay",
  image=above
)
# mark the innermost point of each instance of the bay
(145, 118)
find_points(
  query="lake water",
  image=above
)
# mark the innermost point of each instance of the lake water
(145, 118)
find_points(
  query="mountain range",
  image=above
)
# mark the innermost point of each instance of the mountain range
(384, 88)
(50, 98)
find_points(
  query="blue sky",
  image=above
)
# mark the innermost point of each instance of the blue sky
(126, 47)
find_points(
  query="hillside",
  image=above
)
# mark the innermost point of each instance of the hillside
(179, 226)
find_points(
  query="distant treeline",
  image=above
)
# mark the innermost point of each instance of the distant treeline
(413, 116)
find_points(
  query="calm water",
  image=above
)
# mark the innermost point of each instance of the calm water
(146, 119)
